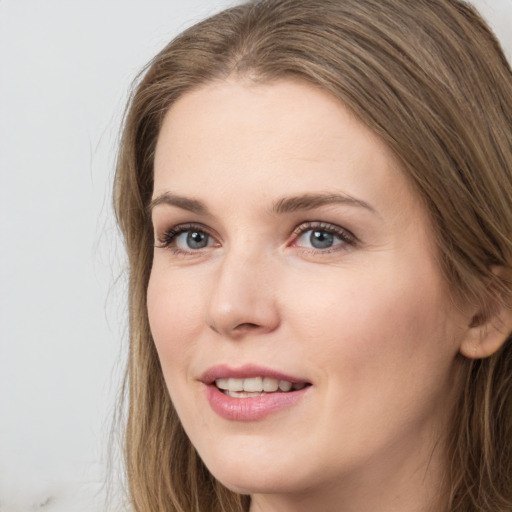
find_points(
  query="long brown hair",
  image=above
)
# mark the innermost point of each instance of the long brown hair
(429, 78)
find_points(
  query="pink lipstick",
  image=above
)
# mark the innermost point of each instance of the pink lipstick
(250, 393)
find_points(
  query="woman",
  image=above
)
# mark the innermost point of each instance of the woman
(315, 197)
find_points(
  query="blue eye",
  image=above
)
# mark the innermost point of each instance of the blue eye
(192, 239)
(186, 239)
(323, 237)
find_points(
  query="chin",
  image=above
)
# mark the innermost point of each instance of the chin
(245, 474)
(257, 482)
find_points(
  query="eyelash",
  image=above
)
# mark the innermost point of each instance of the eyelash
(169, 237)
(346, 237)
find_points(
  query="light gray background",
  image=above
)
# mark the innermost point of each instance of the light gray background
(65, 69)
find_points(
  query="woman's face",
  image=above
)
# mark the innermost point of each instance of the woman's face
(290, 251)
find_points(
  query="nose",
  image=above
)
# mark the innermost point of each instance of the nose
(243, 297)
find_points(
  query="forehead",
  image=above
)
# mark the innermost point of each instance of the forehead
(255, 134)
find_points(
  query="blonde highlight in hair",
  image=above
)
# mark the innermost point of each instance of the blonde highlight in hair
(431, 80)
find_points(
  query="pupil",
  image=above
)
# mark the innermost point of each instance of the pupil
(321, 239)
(197, 240)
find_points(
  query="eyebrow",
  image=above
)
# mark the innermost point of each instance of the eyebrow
(312, 201)
(185, 203)
(283, 205)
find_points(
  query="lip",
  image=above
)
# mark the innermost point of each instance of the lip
(248, 371)
(252, 408)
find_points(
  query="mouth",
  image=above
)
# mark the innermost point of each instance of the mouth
(251, 381)
(256, 386)
(251, 393)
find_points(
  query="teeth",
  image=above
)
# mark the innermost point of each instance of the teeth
(231, 384)
(242, 394)
(284, 385)
(254, 386)
(270, 385)
(222, 383)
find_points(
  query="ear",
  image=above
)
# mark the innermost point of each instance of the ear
(489, 328)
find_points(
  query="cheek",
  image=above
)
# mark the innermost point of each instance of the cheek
(174, 312)
(376, 321)
(383, 348)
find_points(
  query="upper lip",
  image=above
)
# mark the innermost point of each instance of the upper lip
(223, 371)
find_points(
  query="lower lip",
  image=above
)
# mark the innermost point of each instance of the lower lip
(251, 408)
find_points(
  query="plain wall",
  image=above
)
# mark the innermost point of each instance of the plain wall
(65, 70)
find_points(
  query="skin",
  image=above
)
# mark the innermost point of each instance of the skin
(368, 321)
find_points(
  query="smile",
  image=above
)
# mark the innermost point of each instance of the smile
(256, 386)
(251, 393)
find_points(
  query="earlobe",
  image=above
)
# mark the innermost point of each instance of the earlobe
(488, 329)
(483, 342)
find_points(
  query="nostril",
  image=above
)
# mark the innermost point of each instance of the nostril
(247, 326)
